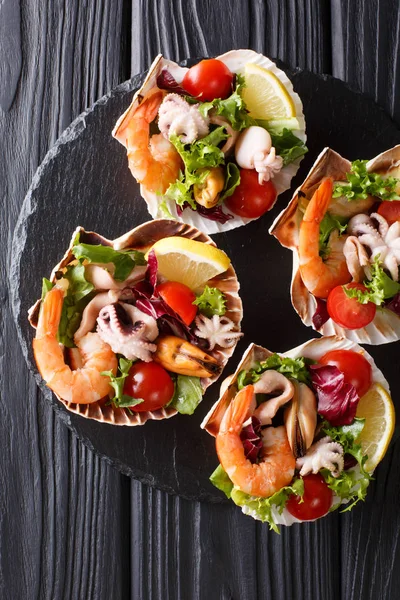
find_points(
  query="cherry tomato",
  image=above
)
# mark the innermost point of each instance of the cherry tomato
(390, 210)
(209, 79)
(317, 499)
(355, 368)
(348, 312)
(251, 199)
(152, 383)
(179, 297)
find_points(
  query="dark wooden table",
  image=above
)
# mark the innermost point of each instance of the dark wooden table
(70, 525)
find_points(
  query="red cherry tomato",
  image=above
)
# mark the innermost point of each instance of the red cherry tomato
(390, 210)
(251, 199)
(209, 79)
(152, 383)
(348, 312)
(355, 368)
(317, 499)
(179, 297)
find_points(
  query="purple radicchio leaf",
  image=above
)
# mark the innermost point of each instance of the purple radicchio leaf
(152, 268)
(337, 400)
(320, 316)
(166, 81)
(213, 214)
(251, 438)
(394, 304)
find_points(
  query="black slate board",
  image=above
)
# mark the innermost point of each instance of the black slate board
(84, 180)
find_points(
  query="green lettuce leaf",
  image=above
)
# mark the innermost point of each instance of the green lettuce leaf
(349, 485)
(188, 394)
(120, 399)
(165, 210)
(381, 287)
(46, 287)
(220, 480)
(231, 182)
(260, 508)
(360, 183)
(197, 157)
(293, 368)
(328, 224)
(211, 302)
(288, 146)
(232, 108)
(78, 296)
(124, 261)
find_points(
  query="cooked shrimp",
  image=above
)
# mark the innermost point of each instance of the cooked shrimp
(318, 275)
(154, 162)
(276, 468)
(81, 386)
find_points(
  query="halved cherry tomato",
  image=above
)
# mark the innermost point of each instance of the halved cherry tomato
(209, 79)
(251, 199)
(317, 499)
(348, 312)
(355, 368)
(152, 383)
(390, 210)
(179, 297)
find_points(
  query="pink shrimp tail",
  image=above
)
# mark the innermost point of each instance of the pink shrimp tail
(238, 410)
(50, 313)
(320, 201)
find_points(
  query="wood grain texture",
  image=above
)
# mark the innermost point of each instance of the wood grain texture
(10, 51)
(63, 511)
(70, 526)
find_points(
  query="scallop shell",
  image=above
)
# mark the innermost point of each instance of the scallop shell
(313, 349)
(385, 327)
(235, 61)
(142, 238)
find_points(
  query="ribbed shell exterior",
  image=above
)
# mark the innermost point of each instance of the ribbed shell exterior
(235, 61)
(142, 238)
(385, 327)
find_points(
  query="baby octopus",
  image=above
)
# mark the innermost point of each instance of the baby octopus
(178, 117)
(369, 237)
(127, 330)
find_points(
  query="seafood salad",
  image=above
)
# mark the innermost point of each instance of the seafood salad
(298, 435)
(215, 144)
(137, 328)
(343, 225)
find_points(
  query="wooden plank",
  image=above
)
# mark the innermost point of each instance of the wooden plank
(366, 49)
(295, 32)
(63, 510)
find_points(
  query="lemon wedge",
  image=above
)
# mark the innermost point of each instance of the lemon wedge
(376, 407)
(189, 262)
(265, 95)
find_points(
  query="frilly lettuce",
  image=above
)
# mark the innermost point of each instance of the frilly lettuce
(295, 368)
(381, 287)
(211, 302)
(259, 508)
(351, 485)
(360, 183)
(232, 108)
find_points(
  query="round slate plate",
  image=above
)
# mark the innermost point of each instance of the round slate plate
(84, 180)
